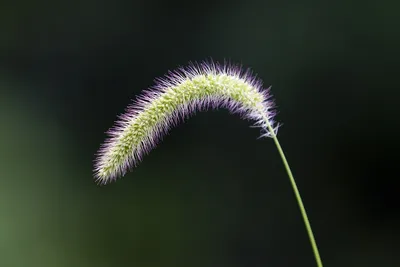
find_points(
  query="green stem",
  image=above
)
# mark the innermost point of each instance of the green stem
(298, 197)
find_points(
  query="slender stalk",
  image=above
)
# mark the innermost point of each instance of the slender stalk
(298, 198)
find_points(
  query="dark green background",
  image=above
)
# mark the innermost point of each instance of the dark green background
(211, 194)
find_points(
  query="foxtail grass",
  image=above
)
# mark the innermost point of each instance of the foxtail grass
(177, 96)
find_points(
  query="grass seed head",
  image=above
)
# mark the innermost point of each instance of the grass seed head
(175, 97)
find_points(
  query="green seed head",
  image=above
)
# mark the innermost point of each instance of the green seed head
(179, 94)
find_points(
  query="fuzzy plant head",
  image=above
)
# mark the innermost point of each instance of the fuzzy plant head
(175, 97)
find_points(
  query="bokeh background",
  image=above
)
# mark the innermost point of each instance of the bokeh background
(211, 194)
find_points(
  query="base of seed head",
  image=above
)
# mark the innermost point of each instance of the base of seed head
(175, 97)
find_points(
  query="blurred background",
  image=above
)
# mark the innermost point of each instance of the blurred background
(211, 194)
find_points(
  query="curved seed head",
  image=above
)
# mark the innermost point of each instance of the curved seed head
(173, 98)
